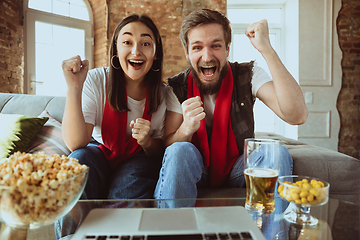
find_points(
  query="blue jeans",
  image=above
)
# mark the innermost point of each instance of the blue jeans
(183, 172)
(134, 178)
(131, 179)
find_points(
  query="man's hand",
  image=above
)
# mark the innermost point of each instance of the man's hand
(75, 71)
(141, 131)
(193, 113)
(282, 95)
(258, 33)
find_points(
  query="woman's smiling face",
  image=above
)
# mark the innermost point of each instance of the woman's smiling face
(136, 50)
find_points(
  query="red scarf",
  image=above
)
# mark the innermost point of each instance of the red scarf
(223, 150)
(113, 131)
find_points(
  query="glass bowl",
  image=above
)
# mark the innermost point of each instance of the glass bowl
(29, 206)
(303, 193)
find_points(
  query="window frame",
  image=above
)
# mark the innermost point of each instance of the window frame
(241, 28)
(277, 28)
(33, 15)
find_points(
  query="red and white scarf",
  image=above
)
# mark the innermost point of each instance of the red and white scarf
(223, 150)
(113, 131)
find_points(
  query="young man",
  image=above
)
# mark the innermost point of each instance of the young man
(210, 107)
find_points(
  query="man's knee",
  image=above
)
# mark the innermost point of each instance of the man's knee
(183, 150)
(181, 147)
(286, 164)
(182, 158)
(285, 154)
(284, 150)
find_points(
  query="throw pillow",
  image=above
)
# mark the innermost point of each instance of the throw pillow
(17, 132)
(49, 139)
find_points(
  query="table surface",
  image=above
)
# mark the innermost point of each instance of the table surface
(337, 219)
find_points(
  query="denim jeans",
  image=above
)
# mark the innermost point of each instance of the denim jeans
(183, 172)
(134, 178)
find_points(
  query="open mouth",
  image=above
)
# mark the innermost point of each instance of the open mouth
(135, 63)
(208, 71)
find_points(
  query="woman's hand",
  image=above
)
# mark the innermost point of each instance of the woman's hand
(75, 71)
(141, 131)
(76, 133)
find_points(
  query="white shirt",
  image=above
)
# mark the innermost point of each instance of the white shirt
(259, 78)
(93, 104)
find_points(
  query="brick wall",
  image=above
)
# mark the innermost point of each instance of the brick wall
(168, 16)
(348, 103)
(11, 46)
(100, 19)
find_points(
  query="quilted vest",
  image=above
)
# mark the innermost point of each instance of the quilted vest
(242, 116)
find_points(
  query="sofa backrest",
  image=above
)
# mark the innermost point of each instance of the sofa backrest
(32, 105)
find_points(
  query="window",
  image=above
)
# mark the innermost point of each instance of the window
(241, 13)
(55, 30)
(69, 8)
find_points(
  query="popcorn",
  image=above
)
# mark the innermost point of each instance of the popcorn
(42, 185)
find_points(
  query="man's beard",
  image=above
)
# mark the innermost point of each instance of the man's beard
(208, 89)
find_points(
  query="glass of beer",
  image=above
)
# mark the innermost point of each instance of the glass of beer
(261, 170)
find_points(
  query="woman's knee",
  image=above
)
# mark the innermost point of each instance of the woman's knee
(99, 171)
(87, 155)
(80, 153)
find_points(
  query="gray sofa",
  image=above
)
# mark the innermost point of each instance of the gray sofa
(340, 170)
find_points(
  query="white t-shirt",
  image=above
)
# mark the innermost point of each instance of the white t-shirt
(259, 78)
(93, 104)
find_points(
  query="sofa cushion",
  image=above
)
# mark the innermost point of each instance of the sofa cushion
(49, 139)
(17, 132)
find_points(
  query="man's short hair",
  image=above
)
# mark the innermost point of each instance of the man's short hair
(202, 17)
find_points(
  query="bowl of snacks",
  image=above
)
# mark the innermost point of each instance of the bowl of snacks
(303, 193)
(38, 189)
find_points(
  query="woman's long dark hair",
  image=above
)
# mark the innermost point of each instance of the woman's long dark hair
(115, 85)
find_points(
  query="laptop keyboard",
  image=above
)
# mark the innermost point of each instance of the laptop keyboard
(207, 236)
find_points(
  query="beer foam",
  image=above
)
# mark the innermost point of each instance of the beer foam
(261, 172)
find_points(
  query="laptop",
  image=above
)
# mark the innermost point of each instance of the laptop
(233, 222)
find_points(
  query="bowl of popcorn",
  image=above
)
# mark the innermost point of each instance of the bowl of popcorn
(38, 189)
(303, 193)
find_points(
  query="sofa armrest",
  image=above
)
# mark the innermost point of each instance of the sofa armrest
(340, 170)
(32, 105)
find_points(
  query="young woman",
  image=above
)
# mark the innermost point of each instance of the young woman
(114, 116)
